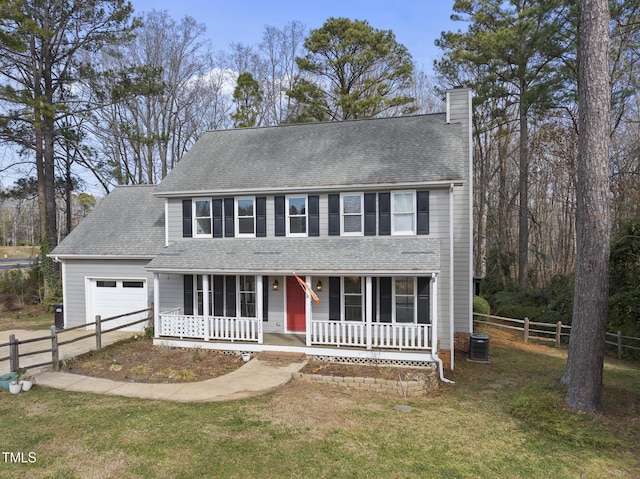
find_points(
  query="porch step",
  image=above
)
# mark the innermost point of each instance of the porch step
(281, 356)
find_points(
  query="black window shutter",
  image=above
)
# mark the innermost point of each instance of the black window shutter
(216, 206)
(314, 215)
(423, 212)
(385, 300)
(218, 295)
(187, 228)
(261, 216)
(423, 300)
(228, 218)
(334, 298)
(369, 214)
(265, 298)
(384, 213)
(281, 229)
(334, 215)
(231, 296)
(188, 293)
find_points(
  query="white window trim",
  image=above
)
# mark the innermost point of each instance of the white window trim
(343, 302)
(393, 214)
(195, 218)
(306, 216)
(394, 302)
(237, 217)
(342, 215)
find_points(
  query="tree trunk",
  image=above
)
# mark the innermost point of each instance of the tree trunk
(523, 191)
(583, 374)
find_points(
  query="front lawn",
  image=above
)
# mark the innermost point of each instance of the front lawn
(504, 419)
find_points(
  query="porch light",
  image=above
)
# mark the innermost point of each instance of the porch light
(319, 286)
(275, 285)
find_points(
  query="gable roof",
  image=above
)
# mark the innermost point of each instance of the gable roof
(129, 221)
(399, 150)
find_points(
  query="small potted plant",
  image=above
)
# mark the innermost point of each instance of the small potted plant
(27, 382)
(16, 385)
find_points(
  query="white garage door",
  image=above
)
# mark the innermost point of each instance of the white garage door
(114, 297)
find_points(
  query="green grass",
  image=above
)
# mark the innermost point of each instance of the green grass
(505, 419)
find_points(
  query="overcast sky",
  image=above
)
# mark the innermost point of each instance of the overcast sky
(415, 23)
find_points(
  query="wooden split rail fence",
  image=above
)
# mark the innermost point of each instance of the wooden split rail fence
(49, 355)
(556, 333)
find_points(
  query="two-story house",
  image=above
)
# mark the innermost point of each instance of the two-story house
(345, 239)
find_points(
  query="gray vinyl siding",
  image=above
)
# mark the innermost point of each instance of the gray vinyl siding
(171, 292)
(77, 272)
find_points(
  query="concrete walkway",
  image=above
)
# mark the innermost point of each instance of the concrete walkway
(254, 378)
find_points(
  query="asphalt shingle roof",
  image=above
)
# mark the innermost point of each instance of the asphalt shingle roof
(421, 148)
(393, 255)
(129, 221)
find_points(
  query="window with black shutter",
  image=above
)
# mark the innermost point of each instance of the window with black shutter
(261, 216)
(334, 298)
(423, 212)
(423, 300)
(280, 225)
(187, 227)
(314, 215)
(334, 215)
(228, 218)
(370, 214)
(188, 294)
(384, 213)
(217, 217)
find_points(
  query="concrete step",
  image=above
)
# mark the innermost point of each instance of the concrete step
(281, 356)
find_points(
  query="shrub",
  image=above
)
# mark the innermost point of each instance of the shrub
(480, 305)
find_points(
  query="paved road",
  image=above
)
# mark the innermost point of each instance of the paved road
(13, 263)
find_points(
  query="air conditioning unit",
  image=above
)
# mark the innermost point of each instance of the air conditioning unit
(479, 347)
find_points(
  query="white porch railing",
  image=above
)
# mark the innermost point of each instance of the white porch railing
(356, 334)
(383, 335)
(216, 328)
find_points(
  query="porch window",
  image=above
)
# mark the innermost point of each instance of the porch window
(199, 292)
(245, 217)
(296, 216)
(202, 218)
(352, 218)
(403, 209)
(247, 296)
(405, 299)
(352, 299)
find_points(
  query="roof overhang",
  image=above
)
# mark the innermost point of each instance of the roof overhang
(415, 255)
(444, 183)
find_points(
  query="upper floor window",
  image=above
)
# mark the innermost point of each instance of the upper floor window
(403, 220)
(245, 217)
(296, 215)
(352, 217)
(202, 218)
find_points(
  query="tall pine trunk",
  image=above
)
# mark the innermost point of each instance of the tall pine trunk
(583, 374)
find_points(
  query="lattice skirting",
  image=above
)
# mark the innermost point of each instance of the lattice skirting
(378, 362)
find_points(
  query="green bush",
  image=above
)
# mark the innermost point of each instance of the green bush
(481, 306)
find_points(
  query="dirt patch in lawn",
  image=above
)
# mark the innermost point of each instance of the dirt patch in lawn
(138, 360)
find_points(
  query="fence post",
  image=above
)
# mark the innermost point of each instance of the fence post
(558, 333)
(14, 356)
(526, 330)
(619, 335)
(98, 333)
(55, 355)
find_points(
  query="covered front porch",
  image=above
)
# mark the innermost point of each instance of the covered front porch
(354, 311)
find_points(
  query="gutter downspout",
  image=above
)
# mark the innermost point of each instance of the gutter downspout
(451, 282)
(441, 371)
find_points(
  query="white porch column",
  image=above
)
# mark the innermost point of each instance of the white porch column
(368, 312)
(307, 311)
(156, 305)
(434, 313)
(259, 303)
(205, 306)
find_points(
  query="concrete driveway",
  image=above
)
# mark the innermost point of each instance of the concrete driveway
(65, 351)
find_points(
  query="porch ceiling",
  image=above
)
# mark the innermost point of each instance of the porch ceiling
(339, 255)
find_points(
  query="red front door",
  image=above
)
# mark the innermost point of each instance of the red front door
(296, 301)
